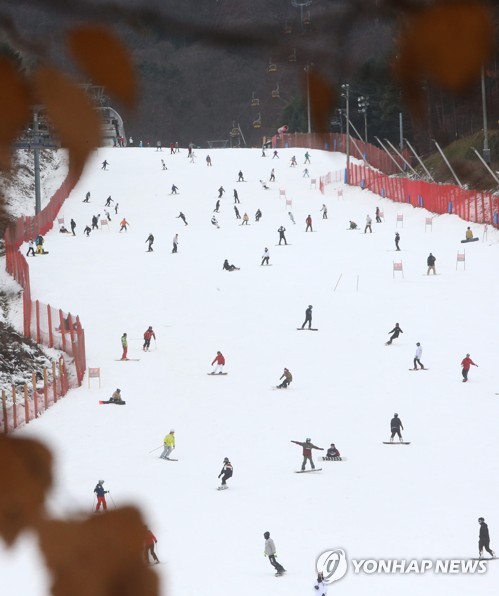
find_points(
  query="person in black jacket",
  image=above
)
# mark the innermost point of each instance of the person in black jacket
(182, 217)
(281, 231)
(396, 331)
(484, 538)
(100, 492)
(228, 267)
(236, 197)
(308, 317)
(225, 473)
(150, 240)
(396, 426)
(95, 222)
(430, 261)
(73, 226)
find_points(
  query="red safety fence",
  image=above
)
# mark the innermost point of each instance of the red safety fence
(43, 323)
(470, 205)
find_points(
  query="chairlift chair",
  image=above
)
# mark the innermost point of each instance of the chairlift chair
(288, 29)
(275, 92)
(255, 102)
(306, 18)
(272, 67)
(292, 57)
(258, 122)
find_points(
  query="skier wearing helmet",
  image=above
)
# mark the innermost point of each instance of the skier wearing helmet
(308, 317)
(225, 473)
(307, 447)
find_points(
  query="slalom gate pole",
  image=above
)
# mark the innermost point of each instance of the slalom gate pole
(155, 449)
(339, 278)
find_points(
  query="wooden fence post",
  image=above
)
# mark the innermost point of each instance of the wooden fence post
(26, 404)
(14, 406)
(4, 413)
(54, 382)
(35, 394)
(45, 389)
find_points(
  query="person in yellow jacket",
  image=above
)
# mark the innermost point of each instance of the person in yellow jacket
(169, 444)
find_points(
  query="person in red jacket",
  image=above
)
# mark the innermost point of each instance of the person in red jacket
(219, 362)
(307, 452)
(308, 221)
(466, 364)
(148, 334)
(149, 542)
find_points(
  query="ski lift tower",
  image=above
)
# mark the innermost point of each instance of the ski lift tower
(301, 4)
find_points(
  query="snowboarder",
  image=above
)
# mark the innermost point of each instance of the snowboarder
(226, 473)
(264, 186)
(124, 224)
(308, 221)
(115, 398)
(236, 197)
(417, 357)
(258, 215)
(293, 162)
(272, 176)
(158, 146)
(163, 165)
(218, 364)
(332, 451)
(148, 335)
(221, 191)
(307, 157)
(39, 244)
(106, 213)
(150, 240)
(172, 149)
(308, 317)
(124, 345)
(87, 230)
(108, 202)
(324, 211)
(116, 207)
(265, 256)
(430, 261)
(466, 364)
(174, 189)
(378, 215)
(369, 221)
(169, 444)
(214, 222)
(95, 222)
(288, 378)
(307, 452)
(396, 331)
(270, 552)
(484, 539)
(245, 219)
(275, 155)
(227, 267)
(353, 225)
(397, 240)
(192, 157)
(175, 244)
(87, 198)
(217, 206)
(208, 160)
(396, 426)
(469, 234)
(63, 230)
(177, 147)
(282, 237)
(305, 173)
(291, 217)
(31, 248)
(73, 226)
(149, 542)
(100, 492)
(236, 211)
(240, 176)
(182, 217)
(320, 588)
(105, 163)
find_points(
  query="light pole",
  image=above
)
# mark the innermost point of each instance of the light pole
(307, 70)
(346, 95)
(486, 150)
(363, 103)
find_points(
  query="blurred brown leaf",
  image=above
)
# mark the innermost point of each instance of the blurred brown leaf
(102, 56)
(322, 101)
(102, 556)
(71, 112)
(446, 44)
(15, 102)
(25, 478)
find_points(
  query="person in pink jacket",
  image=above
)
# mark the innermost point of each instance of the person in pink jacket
(466, 364)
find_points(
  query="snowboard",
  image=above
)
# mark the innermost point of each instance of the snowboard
(288, 244)
(484, 558)
(414, 369)
(305, 471)
(217, 374)
(338, 458)
(113, 402)
(278, 574)
(169, 459)
(127, 360)
(222, 487)
(471, 240)
(306, 329)
(396, 442)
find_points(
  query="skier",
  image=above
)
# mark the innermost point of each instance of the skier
(270, 552)
(221, 191)
(308, 317)
(320, 588)
(240, 177)
(214, 222)
(430, 261)
(226, 473)
(324, 211)
(369, 221)
(169, 444)
(245, 219)
(87, 198)
(236, 197)
(236, 211)
(275, 155)
(265, 257)
(332, 451)
(417, 357)
(291, 217)
(258, 215)
(288, 378)
(282, 237)
(305, 173)
(272, 176)
(217, 206)
(104, 165)
(175, 244)
(148, 334)
(174, 189)
(182, 217)
(396, 331)
(150, 239)
(308, 221)
(100, 492)
(396, 426)
(397, 240)
(307, 157)
(163, 164)
(124, 345)
(378, 215)
(293, 162)
(87, 230)
(115, 398)
(73, 226)
(353, 225)
(307, 452)
(108, 202)
(484, 539)
(208, 160)
(149, 542)
(31, 248)
(124, 224)
(219, 363)
(95, 222)
(466, 364)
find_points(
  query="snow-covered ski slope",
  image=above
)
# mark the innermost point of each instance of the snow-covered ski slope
(417, 501)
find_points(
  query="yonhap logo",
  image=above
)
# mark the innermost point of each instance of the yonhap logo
(332, 564)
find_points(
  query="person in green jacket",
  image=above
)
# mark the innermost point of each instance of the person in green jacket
(169, 444)
(288, 377)
(124, 344)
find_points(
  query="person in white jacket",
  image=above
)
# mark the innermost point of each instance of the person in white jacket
(271, 554)
(417, 357)
(265, 257)
(320, 588)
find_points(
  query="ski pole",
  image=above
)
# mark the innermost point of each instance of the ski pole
(93, 504)
(156, 448)
(112, 500)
